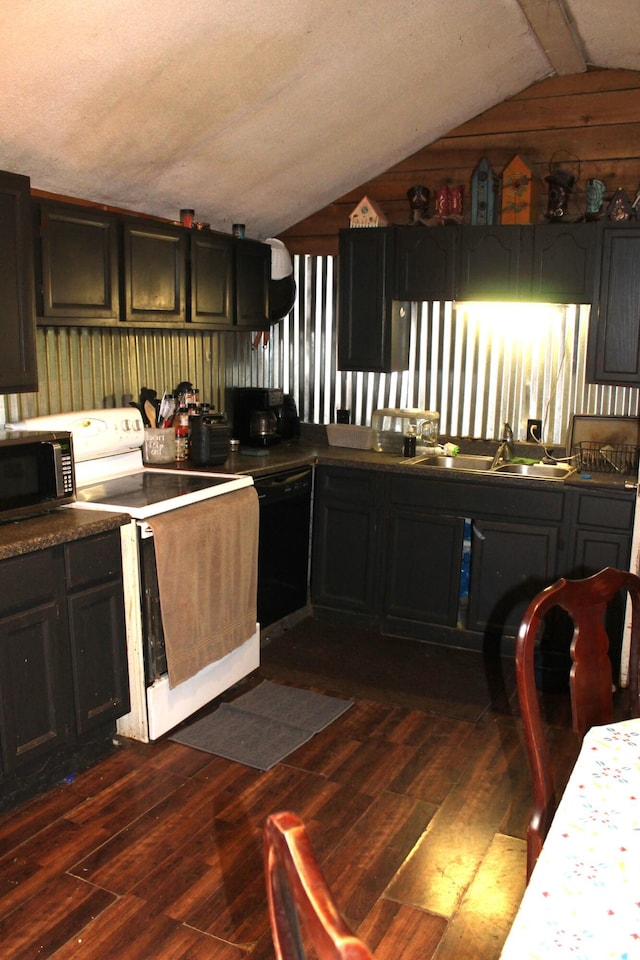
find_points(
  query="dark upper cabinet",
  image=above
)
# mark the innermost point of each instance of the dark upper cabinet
(154, 272)
(212, 285)
(18, 369)
(426, 263)
(614, 338)
(94, 268)
(564, 265)
(252, 278)
(552, 263)
(490, 263)
(77, 266)
(373, 328)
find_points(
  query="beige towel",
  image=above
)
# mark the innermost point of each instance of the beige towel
(207, 559)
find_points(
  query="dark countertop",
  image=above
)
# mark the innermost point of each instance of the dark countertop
(65, 524)
(313, 448)
(61, 525)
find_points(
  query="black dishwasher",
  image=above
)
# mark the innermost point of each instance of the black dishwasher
(283, 552)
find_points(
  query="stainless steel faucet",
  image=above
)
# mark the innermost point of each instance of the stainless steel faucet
(506, 450)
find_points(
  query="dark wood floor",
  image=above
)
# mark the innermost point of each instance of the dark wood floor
(416, 800)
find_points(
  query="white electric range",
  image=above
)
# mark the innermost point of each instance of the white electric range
(111, 476)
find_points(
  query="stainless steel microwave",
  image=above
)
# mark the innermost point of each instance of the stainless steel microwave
(36, 472)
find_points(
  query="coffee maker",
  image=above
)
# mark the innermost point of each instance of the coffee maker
(262, 416)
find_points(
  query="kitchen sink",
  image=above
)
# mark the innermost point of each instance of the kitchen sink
(474, 464)
(461, 462)
(543, 471)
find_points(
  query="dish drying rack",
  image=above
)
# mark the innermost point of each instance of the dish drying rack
(599, 457)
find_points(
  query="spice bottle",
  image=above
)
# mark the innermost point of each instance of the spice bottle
(181, 429)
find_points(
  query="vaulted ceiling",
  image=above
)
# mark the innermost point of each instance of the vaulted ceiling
(264, 111)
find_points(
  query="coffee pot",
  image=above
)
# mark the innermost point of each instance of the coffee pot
(263, 426)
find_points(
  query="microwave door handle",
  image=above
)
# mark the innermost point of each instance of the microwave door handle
(56, 450)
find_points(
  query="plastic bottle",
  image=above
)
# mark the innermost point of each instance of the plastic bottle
(409, 445)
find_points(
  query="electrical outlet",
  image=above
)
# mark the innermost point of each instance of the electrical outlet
(534, 430)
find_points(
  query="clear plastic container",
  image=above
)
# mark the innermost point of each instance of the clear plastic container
(389, 426)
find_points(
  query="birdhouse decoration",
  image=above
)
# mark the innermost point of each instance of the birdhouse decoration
(620, 207)
(367, 214)
(484, 195)
(520, 193)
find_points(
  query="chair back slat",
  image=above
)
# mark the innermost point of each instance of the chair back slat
(590, 679)
(301, 905)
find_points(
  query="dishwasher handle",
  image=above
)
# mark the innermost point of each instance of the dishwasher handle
(281, 480)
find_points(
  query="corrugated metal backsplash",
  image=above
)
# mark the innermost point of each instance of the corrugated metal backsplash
(476, 366)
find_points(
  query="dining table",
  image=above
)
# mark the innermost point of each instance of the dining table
(583, 898)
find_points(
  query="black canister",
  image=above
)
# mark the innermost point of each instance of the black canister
(210, 440)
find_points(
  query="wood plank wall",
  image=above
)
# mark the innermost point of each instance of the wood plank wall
(590, 122)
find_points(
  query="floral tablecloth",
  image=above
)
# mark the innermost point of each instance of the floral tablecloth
(583, 899)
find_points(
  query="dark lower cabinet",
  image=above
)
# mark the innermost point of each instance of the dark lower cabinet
(35, 689)
(95, 603)
(346, 541)
(393, 551)
(602, 527)
(510, 563)
(63, 665)
(422, 570)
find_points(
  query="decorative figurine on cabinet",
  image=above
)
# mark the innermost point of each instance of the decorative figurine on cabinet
(564, 174)
(595, 197)
(449, 204)
(561, 185)
(484, 195)
(418, 197)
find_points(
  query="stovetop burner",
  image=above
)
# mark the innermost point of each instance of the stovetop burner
(146, 488)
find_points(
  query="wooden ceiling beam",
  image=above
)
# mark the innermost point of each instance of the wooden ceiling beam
(556, 35)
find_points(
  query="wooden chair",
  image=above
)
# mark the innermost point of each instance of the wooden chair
(590, 681)
(300, 901)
